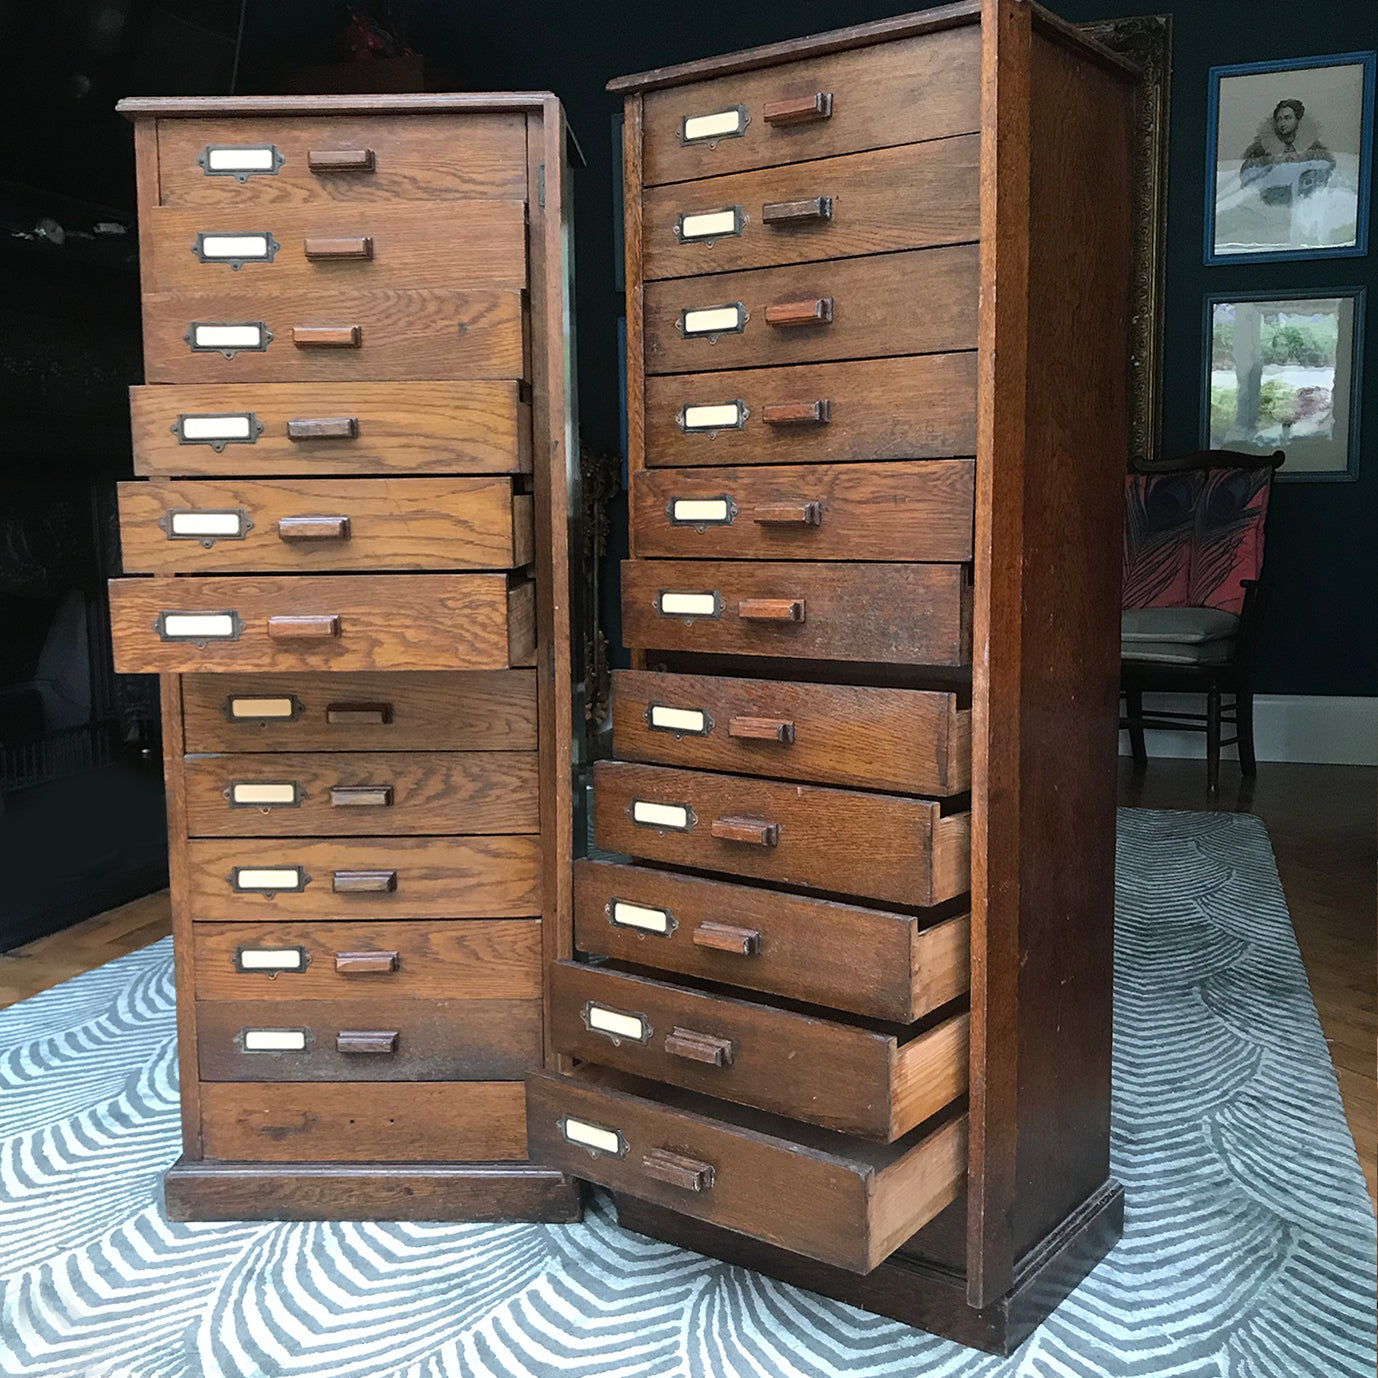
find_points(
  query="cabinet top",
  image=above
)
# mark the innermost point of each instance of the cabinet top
(951, 16)
(450, 102)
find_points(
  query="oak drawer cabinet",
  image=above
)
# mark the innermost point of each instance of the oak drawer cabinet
(347, 560)
(845, 1010)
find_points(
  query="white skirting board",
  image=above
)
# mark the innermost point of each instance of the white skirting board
(1287, 727)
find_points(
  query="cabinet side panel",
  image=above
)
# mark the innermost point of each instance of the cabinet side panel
(1075, 460)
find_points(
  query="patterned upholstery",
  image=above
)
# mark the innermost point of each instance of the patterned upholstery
(1191, 537)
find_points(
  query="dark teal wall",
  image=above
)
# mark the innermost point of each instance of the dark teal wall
(1322, 635)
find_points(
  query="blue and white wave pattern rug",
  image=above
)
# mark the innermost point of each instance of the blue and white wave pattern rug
(1249, 1248)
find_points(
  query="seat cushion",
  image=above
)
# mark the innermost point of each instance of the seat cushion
(1177, 652)
(1175, 626)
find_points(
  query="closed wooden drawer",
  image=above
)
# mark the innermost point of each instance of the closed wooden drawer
(275, 160)
(346, 794)
(837, 1199)
(260, 249)
(911, 741)
(450, 621)
(918, 510)
(885, 846)
(362, 1122)
(927, 87)
(352, 334)
(870, 961)
(493, 710)
(271, 429)
(319, 525)
(923, 302)
(865, 203)
(367, 1040)
(455, 959)
(909, 408)
(912, 614)
(876, 1081)
(260, 880)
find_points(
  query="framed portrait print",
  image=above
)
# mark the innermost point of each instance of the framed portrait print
(1289, 151)
(1283, 372)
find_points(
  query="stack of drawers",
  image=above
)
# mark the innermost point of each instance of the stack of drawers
(353, 440)
(789, 994)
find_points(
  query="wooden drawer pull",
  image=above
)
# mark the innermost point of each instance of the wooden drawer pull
(365, 963)
(313, 528)
(699, 1047)
(362, 247)
(366, 1041)
(324, 428)
(799, 110)
(807, 212)
(341, 160)
(677, 1171)
(762, 729)
(724, 937)
(328, 336)
(771, 610)
(364, 882)
(756, 832)
(361, 796)
(352, 714)
(787, 314)
(788, 514)
(304, 627)
(797, 413)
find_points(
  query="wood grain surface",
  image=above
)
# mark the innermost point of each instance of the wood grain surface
(405, 428)
(909, 408)
(424, 793)
(487, 710)
(895, 198)
(422, 524)
(441, 878)
(921, 302)
(452, 621)
(895, 93)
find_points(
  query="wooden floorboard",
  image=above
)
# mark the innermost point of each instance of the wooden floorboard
(1323, 821)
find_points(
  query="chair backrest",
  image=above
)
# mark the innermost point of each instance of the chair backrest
(1193, 529)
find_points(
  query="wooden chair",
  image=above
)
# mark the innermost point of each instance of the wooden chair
(1193, 554)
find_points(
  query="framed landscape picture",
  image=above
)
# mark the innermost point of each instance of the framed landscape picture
(1289, 157)
(1283, 372)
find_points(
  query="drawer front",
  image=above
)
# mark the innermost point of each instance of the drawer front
(399, 961)
(348, 335)
(918, 510)
(367, 1040)
(884, 846)
(261, 880)
(867, 961)
(909, 408)
(820, 951)
(865, 203)
(907, 614)
(320, 525)
(282, 161)
(821, 1071)
(262, 250)
(927, 87)
(481, 711)
(923, 302)
(453, 621)
(816, 1193)
(911, 741)
(270, 429)
(361, 793)
(353, 1122)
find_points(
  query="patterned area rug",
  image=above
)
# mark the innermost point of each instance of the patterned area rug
(1249, 1250)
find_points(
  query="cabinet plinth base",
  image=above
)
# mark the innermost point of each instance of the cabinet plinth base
(195, 1190)
(927, 1296)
